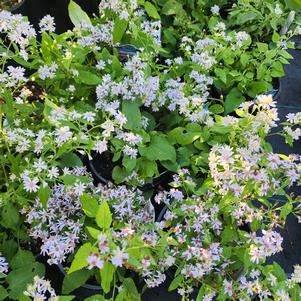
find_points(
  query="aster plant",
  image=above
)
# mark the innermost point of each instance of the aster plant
(110, 89)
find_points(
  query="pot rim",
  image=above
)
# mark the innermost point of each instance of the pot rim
(15, 7)
(86, 286)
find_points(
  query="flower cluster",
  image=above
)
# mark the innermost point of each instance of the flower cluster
(134, 146)
(58, 225)
(3, 265)
(41, 290)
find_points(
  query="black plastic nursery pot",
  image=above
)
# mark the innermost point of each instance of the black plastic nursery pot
(84, 291)
(35, 10)
(101, 167)
(20, 8)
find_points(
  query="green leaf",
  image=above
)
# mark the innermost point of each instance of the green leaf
(244, 59)
(248, 16)
(21, 259)
(71, 160)
(184, 138)
(262, 47)
(233, 100)
(119, 296)
(159, 149)
(279, 272)
(247, 260)
(131, 292)
(221, 74)
(295, 293)
(93, 232)
(286, 210)
(147, 168)
(129, 163)
(132, 112)
(89, 205)
(119, 174)
(44, 195)
(75, 280)
(116, 67)
(77, 15)
(47, 43)
(88, 78)
(200, 293)
(176, 282)
(216, 109)
(20, 277)
(276, 37)
(10, 217)
(66, 298)
(151, 10)
(258, 87)
(277, 70)
(3, 293)
(120, 26)
(72, 179)
(80, 258)
(220, 129)
(107, 276)
(229, 234)
(261, 72)
(104, 216)
(169, 36)
(171, 7)
(294, 4)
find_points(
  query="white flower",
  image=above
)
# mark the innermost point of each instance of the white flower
(53, 173)
(256, 254)
(100, 65)
(169, 261)
(282, 296)
(30, 185)
(266, 101)
(71, 88)
(130, 151)
(3, 265)
(89, 116)
(94, 261)
(101, 146)
(278, 10)
(228, 287)
(118, 257)
(63, 134)
(79, 188)
(272, 280)
(40, 290)
(215, 10)
(103, 243)
(179, 60)
(47, 24)
(47, 71)
(108, 127)
(40, 165)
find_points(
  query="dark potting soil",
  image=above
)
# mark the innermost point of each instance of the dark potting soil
(289, 101)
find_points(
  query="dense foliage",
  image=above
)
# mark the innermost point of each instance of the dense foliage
(129, 160)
